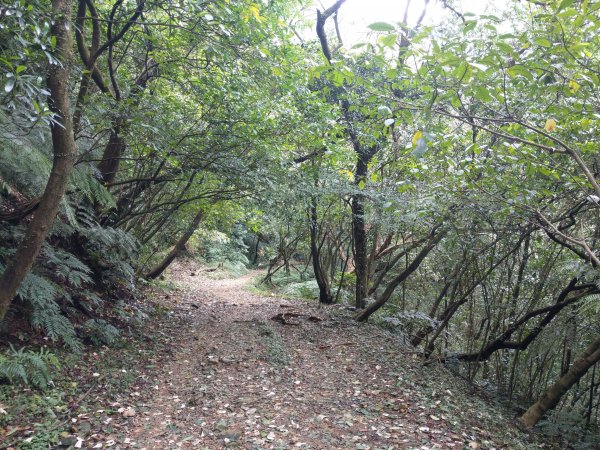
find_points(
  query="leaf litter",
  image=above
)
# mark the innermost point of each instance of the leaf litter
(259, 372)
(220, 367)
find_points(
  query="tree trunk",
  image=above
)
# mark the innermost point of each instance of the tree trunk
(552, 396)
(113, 152)
(64, 151)
(157, 270)
(359, 234)
(364, 155)
(320, 275)
(392, 263)
(501, 342)
(364, 315)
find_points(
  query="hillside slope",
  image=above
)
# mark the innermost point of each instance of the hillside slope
(250, 373)
(216, 366)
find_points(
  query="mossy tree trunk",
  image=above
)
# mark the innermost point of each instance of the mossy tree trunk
(64, 152)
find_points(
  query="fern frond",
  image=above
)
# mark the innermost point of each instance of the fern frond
(27, 367)
(590, 305)
(35, 288)
(26, 160)
(46, 314)
(67, 267)
(57, 327)
(101, 332)
(84, 182)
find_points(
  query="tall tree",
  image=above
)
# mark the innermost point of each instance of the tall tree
(64, 152)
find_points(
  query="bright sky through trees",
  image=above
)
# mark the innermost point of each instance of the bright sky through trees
(355, 15)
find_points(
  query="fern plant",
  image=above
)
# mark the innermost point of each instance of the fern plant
(101, 332)
(113, 253)
(60, 288)
(45, 313)
(80, 257)
(28, 367)
(26, 160)
(66, 267)
(26, 164)
(305, 289)
(222, 249)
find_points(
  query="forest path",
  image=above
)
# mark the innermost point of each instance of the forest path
(239, 379)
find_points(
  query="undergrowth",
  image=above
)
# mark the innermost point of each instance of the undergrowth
(226, 253)
(299, 284)
(84, 269)
(28, 367)
(49, 398)
(288, 285)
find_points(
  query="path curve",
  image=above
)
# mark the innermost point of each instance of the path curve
(239, 379)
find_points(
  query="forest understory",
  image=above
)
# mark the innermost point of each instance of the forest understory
(220, 366)
(391, 219)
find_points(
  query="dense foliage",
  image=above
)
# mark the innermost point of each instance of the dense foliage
(442, 180)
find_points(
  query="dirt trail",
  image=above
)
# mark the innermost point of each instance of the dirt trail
(239, 379)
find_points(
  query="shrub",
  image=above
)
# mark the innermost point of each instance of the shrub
(28, 367)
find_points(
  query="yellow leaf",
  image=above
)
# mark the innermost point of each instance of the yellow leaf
(254, 11)
(574, 86)
(348, 174)
(550, 125)
(418, 135)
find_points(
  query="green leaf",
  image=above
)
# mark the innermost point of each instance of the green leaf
(469, 25)
(505, 47)
(389, 40)
(381, 26)
(542, 42)
(391, 74)
(579, 47)
(491, 17)
(565, 4)
(482, 94)
(452, 61)
(518, 69)
(337, 78)
(463, 71)
(20, 69)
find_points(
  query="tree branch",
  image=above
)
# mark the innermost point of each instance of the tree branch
(321, 19)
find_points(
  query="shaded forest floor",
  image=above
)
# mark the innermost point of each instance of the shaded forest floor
(214, 370)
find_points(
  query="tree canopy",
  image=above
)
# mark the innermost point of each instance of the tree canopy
(442, 180)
